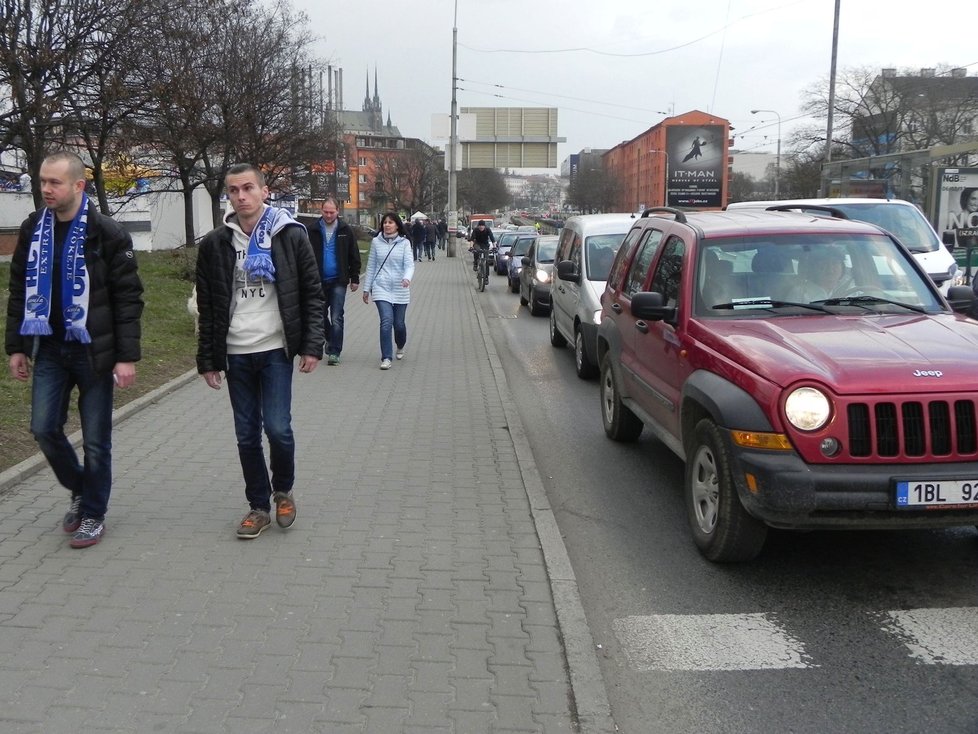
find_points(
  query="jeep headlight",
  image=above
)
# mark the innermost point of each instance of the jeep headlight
(543, 276)
(807, 409)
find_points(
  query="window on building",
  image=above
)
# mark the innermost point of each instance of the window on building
(362, 178)
(361, 161)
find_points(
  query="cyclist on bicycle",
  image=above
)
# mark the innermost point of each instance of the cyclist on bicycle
(481, 237)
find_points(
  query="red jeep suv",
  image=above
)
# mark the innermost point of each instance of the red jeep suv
(805, 368)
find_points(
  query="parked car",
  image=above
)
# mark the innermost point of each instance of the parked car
(852, 409)
(536, 274)
(514, 262)
(901, 218)
(504, 240)
(588, 244)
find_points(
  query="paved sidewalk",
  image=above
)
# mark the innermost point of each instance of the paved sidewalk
(419, 590)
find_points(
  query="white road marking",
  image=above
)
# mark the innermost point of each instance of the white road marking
(709, 642)
(946, 636)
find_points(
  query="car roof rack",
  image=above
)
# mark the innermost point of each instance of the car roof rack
(679, 215)
(817, 208)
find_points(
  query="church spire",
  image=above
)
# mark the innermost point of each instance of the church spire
(376, 90)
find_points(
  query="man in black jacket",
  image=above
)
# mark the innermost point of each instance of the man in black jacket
(74, 310)
(338, 257)
(417, 238)
(261, 302)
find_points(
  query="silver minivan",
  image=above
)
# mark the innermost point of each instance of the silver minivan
(901, 218)
(587, 247)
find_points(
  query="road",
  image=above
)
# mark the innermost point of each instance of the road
(825, 632)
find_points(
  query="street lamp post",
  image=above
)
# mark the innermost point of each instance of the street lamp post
(777, 163)
(665, 195)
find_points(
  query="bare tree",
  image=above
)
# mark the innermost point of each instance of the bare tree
(482, 189)
(593, 190)
(47, 51)
(878, 113)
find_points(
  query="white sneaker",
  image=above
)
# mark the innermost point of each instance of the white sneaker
(399, 354)
(385, 364)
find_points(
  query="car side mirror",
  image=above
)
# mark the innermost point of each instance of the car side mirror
(567, 270)
(949, 239)
(961, 298)
(652, 307)
(526, 262)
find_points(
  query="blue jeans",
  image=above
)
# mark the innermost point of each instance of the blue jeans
(391, 315)
(260, 388)
(335, 295)
(58, 368)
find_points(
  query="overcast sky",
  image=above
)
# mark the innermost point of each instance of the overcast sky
(617, 67)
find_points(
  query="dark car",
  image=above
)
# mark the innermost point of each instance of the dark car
(537, 273)
(806, 369)
(514, 259)
(504, 240)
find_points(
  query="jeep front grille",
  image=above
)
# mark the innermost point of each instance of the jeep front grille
(912, 428)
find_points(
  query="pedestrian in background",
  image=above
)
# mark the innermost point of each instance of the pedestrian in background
(335, 246)
(260, 299)
(442, 233)
(390, 269)
(74, 312)
(417, 237)
(430, 239)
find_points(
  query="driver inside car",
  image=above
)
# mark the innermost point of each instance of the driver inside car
(824, 275)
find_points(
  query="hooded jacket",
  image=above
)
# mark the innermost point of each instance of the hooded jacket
(116, 301)
(297, 282)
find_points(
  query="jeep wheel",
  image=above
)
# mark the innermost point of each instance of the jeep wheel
(722, 529)
(620, 424)
(556, 338)
(586, 369)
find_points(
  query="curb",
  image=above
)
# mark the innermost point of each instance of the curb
(24, 469)
(587, 684)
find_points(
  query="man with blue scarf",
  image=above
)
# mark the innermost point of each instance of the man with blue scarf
(260, 300)
(74, 315)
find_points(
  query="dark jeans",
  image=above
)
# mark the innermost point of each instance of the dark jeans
(429, 250)
(58, 368)
(260, 388)
(391, 317)
(335, 294)
(416, 249)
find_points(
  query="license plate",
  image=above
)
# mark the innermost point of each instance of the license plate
(943, 493)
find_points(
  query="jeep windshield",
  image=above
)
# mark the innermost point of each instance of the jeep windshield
(807, 274)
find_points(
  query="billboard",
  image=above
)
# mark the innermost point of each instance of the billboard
(696, 164)
(957, 204)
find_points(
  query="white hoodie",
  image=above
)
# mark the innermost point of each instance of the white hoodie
(256, 324)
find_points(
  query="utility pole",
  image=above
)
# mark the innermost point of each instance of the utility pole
(452, 146)
(826, 185)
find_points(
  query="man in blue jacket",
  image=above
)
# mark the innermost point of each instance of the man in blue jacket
(335, 246)
(261, 303)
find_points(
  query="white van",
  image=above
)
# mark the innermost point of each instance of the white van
(900, 218)
(586, 249)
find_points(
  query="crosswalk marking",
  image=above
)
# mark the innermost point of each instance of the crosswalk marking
(759, 641)
(708, 642)
(937, 636)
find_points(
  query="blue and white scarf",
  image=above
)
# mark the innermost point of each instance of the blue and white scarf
(75, 284)
(258, 261)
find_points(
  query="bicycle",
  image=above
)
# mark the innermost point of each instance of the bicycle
(482, 268)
